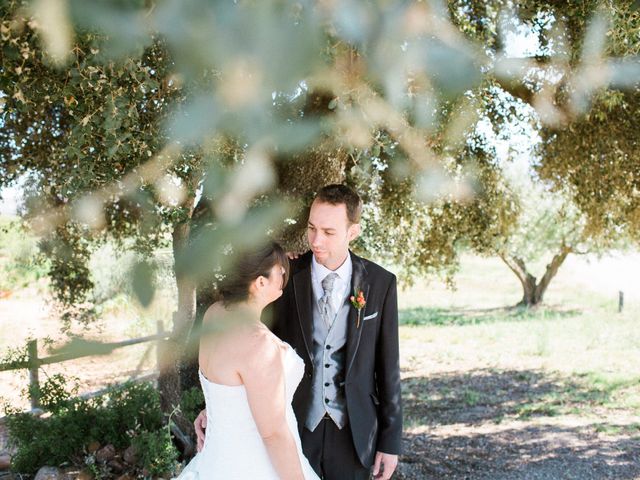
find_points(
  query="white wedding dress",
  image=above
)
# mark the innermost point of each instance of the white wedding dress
(233, 448)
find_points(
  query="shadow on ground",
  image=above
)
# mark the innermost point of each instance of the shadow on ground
(479, 426)
(489, 395)
(529, 453)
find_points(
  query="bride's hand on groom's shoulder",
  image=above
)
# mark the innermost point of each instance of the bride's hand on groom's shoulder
(200, 424)
(293, 255)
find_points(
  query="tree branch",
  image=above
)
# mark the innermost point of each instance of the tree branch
(552, 270)
(518, 267)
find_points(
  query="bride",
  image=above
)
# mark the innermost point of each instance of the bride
(248, 377)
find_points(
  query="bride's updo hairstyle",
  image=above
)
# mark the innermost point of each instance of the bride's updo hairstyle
(247, 267)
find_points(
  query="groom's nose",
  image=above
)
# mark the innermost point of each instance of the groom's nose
(314, 239)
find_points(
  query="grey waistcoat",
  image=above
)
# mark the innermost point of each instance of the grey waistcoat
(329, 365)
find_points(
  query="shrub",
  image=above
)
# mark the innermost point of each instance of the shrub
(126, 412)
(192, 403)
(156, 452)
(54, 394)
(52, 440)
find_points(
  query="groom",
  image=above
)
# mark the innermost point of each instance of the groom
(340, 314)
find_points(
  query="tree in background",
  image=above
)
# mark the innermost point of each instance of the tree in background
(576, 191)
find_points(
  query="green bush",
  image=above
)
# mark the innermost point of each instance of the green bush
(52, 440)
(125, 410)
(192, 403)
(54, 394)
(126, 414)
(156, 452)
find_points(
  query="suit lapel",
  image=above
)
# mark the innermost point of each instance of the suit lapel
(359, 282)
(303, 295)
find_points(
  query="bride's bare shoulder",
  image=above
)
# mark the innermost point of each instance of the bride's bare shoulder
(258, 334)
(216, 309)
(260, 343)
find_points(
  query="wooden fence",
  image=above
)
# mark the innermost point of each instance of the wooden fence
(33, 362)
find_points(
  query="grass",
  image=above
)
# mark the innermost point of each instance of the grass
(587, 393)
(421, 316)
(471, 398)
(468, 356)
(633, 429)
(493, 395)
(546, 409)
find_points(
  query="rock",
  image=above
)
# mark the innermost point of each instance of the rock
(48, 473)
(116, 465)
(70, 473)
(126, 476)
(93, 447)
(5, 462)
(84, 475)
(130, 455)
(105, 454)
(75, 474)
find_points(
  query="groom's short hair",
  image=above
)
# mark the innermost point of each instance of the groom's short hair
(336, 194)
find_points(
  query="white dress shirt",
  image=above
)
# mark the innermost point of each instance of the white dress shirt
(341, 285)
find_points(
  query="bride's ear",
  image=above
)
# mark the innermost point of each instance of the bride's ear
(254, 287)
(258, 284)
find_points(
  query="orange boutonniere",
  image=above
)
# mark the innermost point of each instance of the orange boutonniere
(358, 301)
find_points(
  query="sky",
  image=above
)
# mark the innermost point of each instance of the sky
(10, 200)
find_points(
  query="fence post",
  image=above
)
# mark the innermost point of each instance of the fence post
(620, 300)
(34, 383)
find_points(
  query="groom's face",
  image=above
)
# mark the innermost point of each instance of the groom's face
(329, 232)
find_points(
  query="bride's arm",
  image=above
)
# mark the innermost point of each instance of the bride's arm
(262, 373)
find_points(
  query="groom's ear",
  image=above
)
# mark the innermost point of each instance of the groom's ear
(354, 231)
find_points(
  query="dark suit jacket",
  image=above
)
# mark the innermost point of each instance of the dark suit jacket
(372, 378)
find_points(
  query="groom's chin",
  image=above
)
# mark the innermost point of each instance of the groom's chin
(319, 255)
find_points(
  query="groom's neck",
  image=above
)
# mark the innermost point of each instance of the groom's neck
(333, 264)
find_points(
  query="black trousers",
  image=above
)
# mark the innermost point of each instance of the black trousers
(331, 452)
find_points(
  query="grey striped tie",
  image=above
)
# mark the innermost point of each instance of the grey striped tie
(328, 315)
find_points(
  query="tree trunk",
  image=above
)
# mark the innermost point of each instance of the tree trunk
(533, 291)
(175, 347)
(205, 297)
